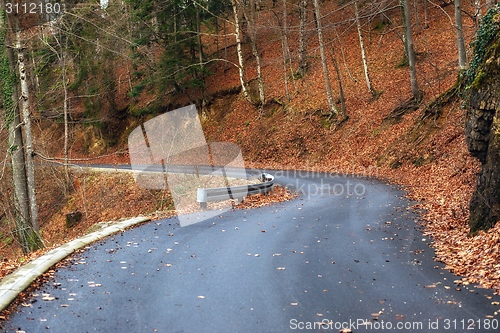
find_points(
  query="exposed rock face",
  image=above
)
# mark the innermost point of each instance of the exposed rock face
(483, 139)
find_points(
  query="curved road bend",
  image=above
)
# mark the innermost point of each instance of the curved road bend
(327, 257)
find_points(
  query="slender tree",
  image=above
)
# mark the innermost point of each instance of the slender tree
(250, 17)
(341, 88)
(239, 49)
(303, 63)
(363, 52)
(462, 55)
(28, 134)
(328, 86)
(410, 50)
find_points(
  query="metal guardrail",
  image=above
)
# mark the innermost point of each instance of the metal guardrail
(205, 195)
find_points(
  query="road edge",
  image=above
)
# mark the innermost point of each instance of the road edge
(13, 284)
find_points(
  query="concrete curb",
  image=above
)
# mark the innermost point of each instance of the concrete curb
(14, 283)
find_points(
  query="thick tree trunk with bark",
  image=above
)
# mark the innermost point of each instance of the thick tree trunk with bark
(482, 132)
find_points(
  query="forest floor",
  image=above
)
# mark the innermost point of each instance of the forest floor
(429, 157)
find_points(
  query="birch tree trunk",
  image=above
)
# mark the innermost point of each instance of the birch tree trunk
(27, 233)
(16, 151)
(363, 53)
(411, 51)
(462, 55)
(328, 86)
(28, 134)
(237, 34)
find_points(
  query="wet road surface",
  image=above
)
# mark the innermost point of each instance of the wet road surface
(346, 253)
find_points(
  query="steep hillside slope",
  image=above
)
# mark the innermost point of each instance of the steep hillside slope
(424, 149)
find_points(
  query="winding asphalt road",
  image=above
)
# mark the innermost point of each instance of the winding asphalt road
(346, 253)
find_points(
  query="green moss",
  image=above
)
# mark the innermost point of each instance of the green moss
(480, 76)
(7, 76)
(486, 35)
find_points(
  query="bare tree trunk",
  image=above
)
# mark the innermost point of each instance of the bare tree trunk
(363, 53)
(16, 150)
(30, 154)
(225, 46)
(239, 50)
(328, 86)
(411, 51)
(66, 117)
(285, 77)
(286, 47)
(200, 57)
(462, 55)
(303, 64)
(478, 15)
(253, 40)
(415, 8)
(426, 16)
(27, 233)
(341, 87)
